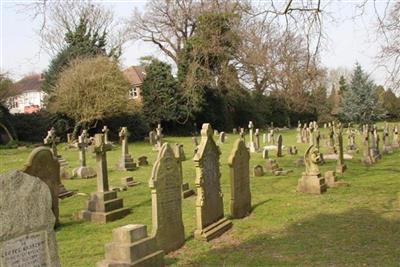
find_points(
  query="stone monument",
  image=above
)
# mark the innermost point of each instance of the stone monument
(211, 222)
(83, 171)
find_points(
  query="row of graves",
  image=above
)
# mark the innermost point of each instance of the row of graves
(38, 186)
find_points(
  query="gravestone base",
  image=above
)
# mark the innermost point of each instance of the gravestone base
(258, 171)
(252, 147)
(281, 172)
(330, 179)
(186, 191)
(367, 161)
(142, 161)
(341, 168)
(375, 155)
(130, 247)
(214, 230)
(84, 172)
(63, 192)
(313, 184)
(64, 174)
(395, 145)
(126, 163)
(129, 182)
(103, 207)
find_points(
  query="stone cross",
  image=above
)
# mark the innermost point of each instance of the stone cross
(123, 135)
(367, 158)
(105, 131)
(82, 144)
(341, 166)
(100, 148)
(159, 135)
(251, 127)
(257, 139)
(52, 140)
(298, 135)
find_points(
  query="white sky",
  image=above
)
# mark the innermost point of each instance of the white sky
(349, 41)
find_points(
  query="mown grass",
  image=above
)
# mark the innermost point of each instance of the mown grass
(353, 225)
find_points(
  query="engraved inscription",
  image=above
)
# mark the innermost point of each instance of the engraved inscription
(25, 251)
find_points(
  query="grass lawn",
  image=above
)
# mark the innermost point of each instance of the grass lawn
(358, 225)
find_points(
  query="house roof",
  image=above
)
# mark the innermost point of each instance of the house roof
(135, 74)
(32, 82)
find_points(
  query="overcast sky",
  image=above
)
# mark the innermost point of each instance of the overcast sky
(349, 41)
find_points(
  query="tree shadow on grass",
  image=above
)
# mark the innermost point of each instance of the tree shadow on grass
(358, 237)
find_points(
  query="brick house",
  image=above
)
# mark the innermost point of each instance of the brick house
(135, 75)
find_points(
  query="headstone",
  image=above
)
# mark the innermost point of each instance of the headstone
(240, 181)
(166, 196)
(298, 135)
(126, 162)
(142, 161)
(311, 181)
(242, 134)
(83, 171)
(152, 138)
(186, 191)
(128, 181)
(352, 142)
(52, 140)
(159, 136)
(234, 131)
(180, 157)
(258, 171)
(27, 236)
(252, 145)
(367, 157)
(103, 206)
(221, 139)
(265, 153)
(257, 139)
(396, 140)
(211, 222)
(387, 146)
(330, 179)
(131, 247)
(42, 164)
(105, 131)
(341, 166)
(279, 148)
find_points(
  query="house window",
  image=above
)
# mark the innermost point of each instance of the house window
(133, 93)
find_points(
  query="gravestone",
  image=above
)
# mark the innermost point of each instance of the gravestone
(257, 139)
(103, 206)
(258, 171)
(367, 157)
(396, 140)
(105, 131)
(128, 181)
(234, 131)
(340, 166)
(142, 161)
(42, 164)
(152, 138)
(240, 180)
(27, 236)
(166, 197)
(252, 145)
(279, 148)
(387, 146)
(83, 171)
(265, 153)
(52, 140)
(180, 157)
(351, 142)
(221, 139)
(131, 247)
(298, 135)
(186, 191)
(211, 222)
(312, 181)
(126, 162)
(159, 136)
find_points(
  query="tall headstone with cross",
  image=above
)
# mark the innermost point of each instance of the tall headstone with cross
(211, 222)
(104, 205)
(340, 166)
(126, 162)
(166, 196)
(387, 146)
(252, 145)
(367, 157)
(52, 139)
(83, 171)
(240, 180)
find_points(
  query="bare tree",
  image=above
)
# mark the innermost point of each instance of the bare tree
(59, 16)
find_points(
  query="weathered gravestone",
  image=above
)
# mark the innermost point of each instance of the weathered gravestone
(367, 157)
(105, 131)
(211, 222)
(103, 205)
(159, 136)
(257, 139)
(166, 197)
(42, 164)
(265, 153)
(27, 236)
(142, 161)
(258, 171)
(240, 180)
(128, 181)
(152, 138)
(52, 140)
(126, 162)
(387, 146)
(221, 139)
(131, 247)
(312, 181)
(395, 140)
(279, 148)
(340, 166)
(83, 171)
(180, 157)
(252, 145)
